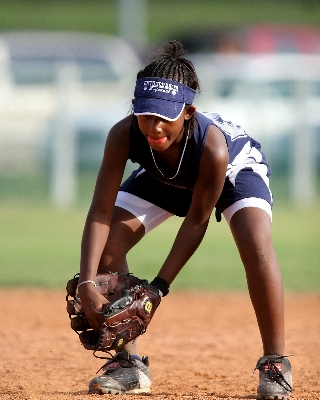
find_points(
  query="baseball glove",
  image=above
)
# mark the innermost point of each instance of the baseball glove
(132, 303)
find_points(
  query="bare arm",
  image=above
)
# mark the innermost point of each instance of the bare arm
(97, 226)
(212, 172)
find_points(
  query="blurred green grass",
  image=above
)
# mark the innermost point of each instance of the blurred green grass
(40, 246)
(164, 20)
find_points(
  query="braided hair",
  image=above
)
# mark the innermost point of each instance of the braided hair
(169, 63)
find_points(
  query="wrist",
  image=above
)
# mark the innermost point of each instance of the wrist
(86, 282)
(161, 284)
(85, 287)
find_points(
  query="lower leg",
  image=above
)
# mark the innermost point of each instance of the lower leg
(132, 348)
(266, 294)
(126, 231)
(252, 233)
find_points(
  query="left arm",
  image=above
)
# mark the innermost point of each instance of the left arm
(207, 190)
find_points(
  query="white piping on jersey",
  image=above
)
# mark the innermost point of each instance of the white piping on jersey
(248, 157)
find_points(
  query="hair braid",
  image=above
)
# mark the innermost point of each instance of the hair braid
(169, 62)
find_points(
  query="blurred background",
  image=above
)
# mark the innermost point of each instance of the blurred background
(67, 72)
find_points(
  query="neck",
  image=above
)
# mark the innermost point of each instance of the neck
(173, 159)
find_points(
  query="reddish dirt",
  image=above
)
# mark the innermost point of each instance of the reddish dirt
(200, 347)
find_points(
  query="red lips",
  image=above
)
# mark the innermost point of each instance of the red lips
(156, 141)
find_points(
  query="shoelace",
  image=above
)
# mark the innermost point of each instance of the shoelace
(274, 373)
(122, 361)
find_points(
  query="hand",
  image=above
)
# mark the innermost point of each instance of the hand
(92, 304)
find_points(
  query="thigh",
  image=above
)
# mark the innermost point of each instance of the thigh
(126, 231)
(133, 217)
(149, 214)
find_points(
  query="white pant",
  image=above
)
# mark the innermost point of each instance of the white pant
(151, 215)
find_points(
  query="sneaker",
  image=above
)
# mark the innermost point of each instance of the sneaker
(123, 374)
(275, 377)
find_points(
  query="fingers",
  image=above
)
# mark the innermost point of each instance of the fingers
(92, 305)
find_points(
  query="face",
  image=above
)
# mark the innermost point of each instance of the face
(161, 133)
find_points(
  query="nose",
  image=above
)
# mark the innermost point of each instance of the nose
(153, 123)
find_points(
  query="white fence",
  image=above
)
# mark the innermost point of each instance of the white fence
(53, 85)
(270, 96)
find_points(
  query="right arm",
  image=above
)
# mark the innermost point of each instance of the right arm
(98, 221)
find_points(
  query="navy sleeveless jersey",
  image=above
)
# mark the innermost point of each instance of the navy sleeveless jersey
(174, 195)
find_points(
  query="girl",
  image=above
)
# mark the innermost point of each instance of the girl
(190, 163)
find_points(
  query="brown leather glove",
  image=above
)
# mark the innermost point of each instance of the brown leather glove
(130, 308)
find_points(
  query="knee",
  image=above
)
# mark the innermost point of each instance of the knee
(262, 257)
(115, 252)
(251, 230)
(113, 256)
(260, 261)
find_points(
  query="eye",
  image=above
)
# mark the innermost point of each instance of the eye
(153, 117)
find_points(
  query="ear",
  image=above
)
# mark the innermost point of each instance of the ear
(189, 111)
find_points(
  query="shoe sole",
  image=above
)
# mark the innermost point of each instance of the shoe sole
(102, 390)
(281, 397)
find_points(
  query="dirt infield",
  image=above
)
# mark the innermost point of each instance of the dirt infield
(200, 347)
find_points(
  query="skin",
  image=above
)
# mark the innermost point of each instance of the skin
(110, 232)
